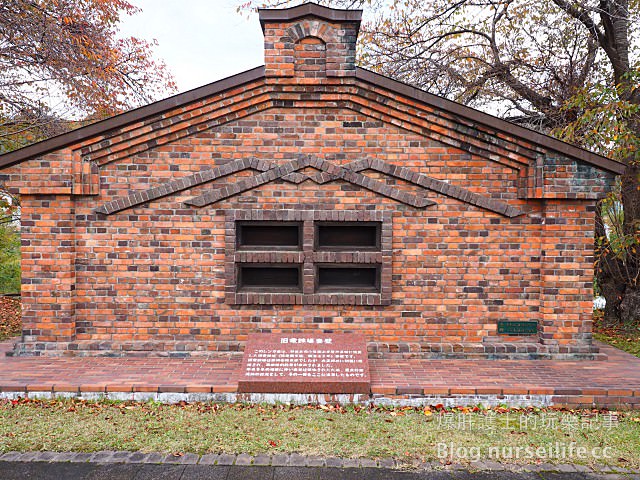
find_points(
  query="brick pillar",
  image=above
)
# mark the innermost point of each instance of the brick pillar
(310, 35)
(48, 271)
(567, 275)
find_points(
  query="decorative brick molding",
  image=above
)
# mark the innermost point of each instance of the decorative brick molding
(328, 172)
(272, 172)
(308, 257)
(336, 171)
(563, 178)
(429, 183)
(162, 129)
(353, 95)
(311, 58)
(86, 176)
(338, 31)
(181, 184)
(356, 97)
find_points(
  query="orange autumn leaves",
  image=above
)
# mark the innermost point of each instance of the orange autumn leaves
(69, 50)
(10, 324)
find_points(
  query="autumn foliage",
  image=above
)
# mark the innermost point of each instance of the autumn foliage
(64, 58)
(566, 68)
(10, 324)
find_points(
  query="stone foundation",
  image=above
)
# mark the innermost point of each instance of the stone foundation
(498, 351)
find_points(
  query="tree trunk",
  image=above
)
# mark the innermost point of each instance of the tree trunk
(613, 290)
(618, 266)
(629, 308)
(630, 304)
(631, 198)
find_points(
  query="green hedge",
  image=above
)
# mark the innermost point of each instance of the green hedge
(9, 259)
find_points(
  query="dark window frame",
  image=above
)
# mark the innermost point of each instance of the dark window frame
(241, 246)
(332, 248)
(242, 287)
(345, 288)
(308, 256)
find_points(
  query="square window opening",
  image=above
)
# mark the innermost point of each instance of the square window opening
(269, 235)
(308, 257)
(347, 236)
(348, 278)
(266, 277)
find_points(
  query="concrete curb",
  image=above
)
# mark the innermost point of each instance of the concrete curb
(295, 460)
(453, 400)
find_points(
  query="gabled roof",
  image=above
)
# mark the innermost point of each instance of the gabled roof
(491, 121)
(131, 116)
(433, 101)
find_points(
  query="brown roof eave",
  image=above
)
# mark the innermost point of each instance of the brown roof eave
(490, 121)
(104, 126)
(177, 101)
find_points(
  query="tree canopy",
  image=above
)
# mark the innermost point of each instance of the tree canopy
(65, 58)
(63, 64)
(569, 68)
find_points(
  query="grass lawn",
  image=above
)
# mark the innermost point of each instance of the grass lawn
(413, 435)
(624, 337)
(405, 433)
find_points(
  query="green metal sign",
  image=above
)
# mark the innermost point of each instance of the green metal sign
(508, 327)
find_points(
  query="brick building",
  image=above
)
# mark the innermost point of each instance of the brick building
(302, 196)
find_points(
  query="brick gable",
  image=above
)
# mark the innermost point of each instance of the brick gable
(126, 229)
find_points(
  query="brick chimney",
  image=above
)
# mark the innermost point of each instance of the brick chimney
(310, 41)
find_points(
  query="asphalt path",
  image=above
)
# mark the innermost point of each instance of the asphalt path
(95, 471)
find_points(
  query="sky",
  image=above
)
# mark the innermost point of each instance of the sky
(201, 41)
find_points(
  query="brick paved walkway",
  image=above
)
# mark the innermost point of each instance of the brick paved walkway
(614, 382)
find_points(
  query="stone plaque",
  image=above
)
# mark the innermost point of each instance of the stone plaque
(509, 327)
(305, 363)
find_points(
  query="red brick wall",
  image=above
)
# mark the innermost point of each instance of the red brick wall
(48, 270)
(150, 279)
(285, 42)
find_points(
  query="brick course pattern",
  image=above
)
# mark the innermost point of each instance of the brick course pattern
(125, 232)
